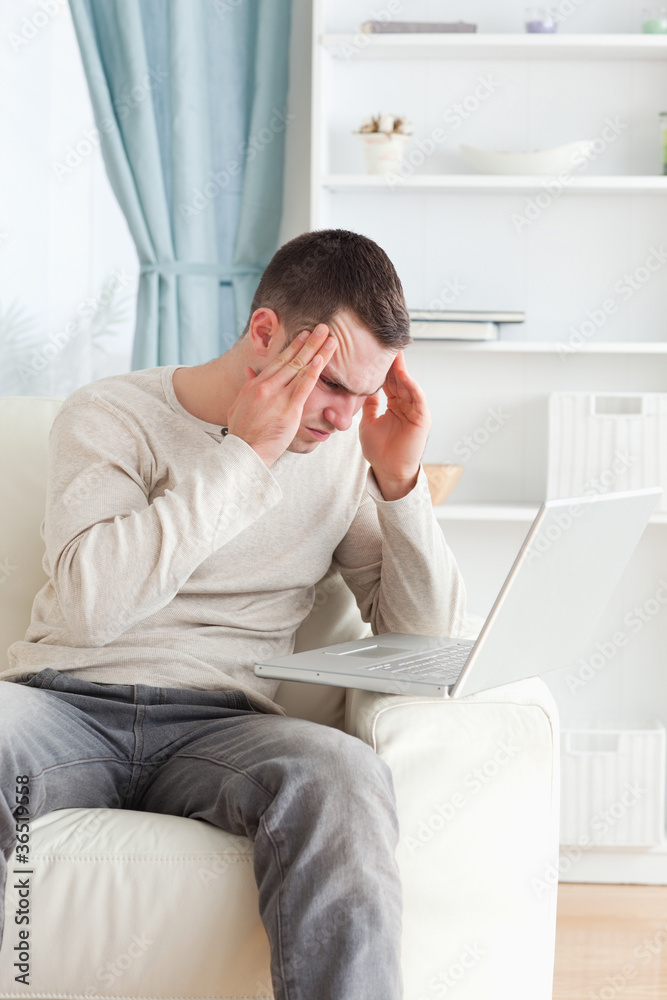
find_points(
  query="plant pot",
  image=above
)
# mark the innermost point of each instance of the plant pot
(383, 151)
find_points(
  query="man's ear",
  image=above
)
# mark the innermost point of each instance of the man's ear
(263, 329)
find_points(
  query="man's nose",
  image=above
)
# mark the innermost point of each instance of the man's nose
(340, 415)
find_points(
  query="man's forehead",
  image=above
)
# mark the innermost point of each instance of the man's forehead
(331, 372)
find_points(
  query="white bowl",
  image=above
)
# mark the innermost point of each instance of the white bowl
(544, 161)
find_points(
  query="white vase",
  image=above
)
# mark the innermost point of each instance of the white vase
(383, 151)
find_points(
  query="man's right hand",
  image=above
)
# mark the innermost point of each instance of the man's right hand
(268, 410)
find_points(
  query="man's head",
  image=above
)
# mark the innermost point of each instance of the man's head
(346, 281)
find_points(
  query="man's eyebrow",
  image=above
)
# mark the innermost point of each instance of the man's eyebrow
(332, 377)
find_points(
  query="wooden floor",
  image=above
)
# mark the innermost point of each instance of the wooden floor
(611, 943)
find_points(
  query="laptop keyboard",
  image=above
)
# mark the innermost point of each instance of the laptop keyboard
(442, 665)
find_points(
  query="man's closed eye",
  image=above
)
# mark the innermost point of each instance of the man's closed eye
(329, 385)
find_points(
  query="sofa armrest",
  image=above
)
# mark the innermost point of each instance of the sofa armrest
(477, 789)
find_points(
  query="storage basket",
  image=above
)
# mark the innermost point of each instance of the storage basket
(613, 786)
(606, 442)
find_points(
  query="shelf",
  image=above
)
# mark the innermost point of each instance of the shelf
(496, 184)
(547, 347)
(521, 513)
(495, 46)
(486, 512)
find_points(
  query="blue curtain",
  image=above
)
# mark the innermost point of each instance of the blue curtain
(189, 98)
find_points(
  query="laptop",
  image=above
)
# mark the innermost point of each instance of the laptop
(555, 593)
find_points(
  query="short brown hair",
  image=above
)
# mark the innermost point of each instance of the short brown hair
(318, 274)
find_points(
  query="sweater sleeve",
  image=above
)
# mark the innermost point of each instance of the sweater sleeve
(116, 557)
(395, 560)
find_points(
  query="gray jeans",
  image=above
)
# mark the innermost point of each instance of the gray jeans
(318, 804)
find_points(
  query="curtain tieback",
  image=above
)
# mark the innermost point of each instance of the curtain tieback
(224, 272)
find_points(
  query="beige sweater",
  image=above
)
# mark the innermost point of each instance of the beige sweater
(176, 558)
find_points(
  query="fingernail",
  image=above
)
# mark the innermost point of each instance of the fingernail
(304, 336)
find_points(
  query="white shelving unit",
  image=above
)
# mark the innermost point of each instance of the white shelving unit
(548, 347)
(483, 184)
(456, 242)
(523, 513)
(504, 45)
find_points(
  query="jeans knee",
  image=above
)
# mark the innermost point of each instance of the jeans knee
(350, 771)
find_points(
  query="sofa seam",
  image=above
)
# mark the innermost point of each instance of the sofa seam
(406, 704)
(243, 859)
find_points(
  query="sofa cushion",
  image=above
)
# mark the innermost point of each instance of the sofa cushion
(159, 872)
(25, 422)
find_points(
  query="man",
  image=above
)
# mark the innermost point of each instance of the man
(190, 512)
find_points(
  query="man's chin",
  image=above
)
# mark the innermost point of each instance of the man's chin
(305, 442)
(301, 446)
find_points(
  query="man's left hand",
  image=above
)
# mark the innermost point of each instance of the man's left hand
(393, 443)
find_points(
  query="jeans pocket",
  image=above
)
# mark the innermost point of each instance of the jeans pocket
(33, 679)
(244, 702)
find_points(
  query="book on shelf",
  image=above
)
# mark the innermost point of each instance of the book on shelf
(465, 315)
(444, 324)
(416, 27)
(453, 331)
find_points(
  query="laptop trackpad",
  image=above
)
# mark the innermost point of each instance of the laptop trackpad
(376, 652)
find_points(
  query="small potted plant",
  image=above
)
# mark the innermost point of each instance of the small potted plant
(384, 139)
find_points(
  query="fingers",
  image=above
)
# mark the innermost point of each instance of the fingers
(371, 407)
(295, 356)
(311, 349)
(405, 397)
(399, 383)
(306, 378)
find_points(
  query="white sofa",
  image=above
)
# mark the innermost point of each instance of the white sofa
(135, 905)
